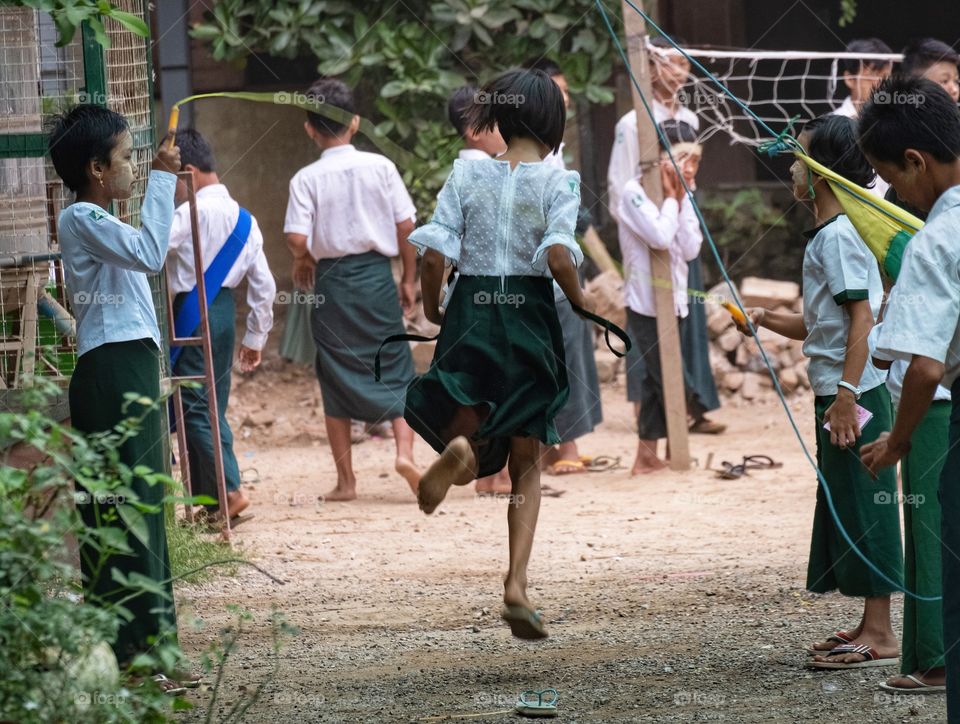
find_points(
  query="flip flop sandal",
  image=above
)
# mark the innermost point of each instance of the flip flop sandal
(167, 686)
(544, 705)
(840, 637)
(707, 427)
(549, 492)
(603, 463)
(760, 462)
(524, 623)
(920, 688)
(731, 471)
(870, 655)
(250, 476)
(575, 466)
(215, 524)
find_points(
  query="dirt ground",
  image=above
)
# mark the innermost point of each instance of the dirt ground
(674, 597)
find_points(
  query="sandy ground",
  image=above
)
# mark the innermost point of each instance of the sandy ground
(669, 598)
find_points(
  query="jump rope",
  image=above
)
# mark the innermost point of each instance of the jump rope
(782, 143)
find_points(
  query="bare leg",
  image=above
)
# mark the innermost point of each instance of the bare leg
(403, 436)
(647, 460)
(338, 432)
(498, 484)
(522, 517)
(876, 632)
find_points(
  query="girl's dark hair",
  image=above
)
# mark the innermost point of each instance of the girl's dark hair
(457, 104)
(83, 134)
(335, 93)
(833, 142)
(195, 150)
(521, 103)
(677, 132)
(921, 53)
(906, 113)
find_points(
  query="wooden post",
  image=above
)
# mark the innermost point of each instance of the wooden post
(667, 329)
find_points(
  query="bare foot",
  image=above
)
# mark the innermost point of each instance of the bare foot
(237, 502)
(886, 648)
(515, 593)
(456, 465)
(409, 471)
(645, 466)
(829, 645)
(340, 494)
(498, 484)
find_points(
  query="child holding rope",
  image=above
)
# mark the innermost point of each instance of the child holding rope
(842, 293)
(498, 376)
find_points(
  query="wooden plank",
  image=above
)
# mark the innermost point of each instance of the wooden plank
(28, 329)
(668, 331)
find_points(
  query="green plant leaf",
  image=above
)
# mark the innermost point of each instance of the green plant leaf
(135, 522)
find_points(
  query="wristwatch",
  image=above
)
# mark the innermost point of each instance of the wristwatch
(853, 388)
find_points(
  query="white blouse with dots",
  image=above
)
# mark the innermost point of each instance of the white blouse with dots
(492, 220)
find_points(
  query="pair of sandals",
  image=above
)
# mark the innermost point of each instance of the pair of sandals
(845, 645)
(732, 471)
(586, 464)
(176, 687)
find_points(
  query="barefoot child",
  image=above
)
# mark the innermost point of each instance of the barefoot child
(106, 264)
(348, 214)
(219, 219)
(842, 293)
(675, 227)
(497, 377)
(916, 148)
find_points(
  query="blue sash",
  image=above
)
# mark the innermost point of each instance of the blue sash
(188, 318)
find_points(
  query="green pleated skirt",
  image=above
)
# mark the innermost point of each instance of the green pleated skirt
(868, 509)
(101, 378)
(499, 353)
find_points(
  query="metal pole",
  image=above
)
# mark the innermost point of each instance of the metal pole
(668, 333)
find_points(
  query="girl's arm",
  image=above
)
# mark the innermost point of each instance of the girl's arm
(842, 414)
(788, 324)
(431, 282)
(565, 274)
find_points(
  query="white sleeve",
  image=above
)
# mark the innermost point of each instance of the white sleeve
(690, 236)
(655, 227)
(261, 293)
(110, 241)
(180, 232)
(624, 164)
(400, 201)
(301, 209)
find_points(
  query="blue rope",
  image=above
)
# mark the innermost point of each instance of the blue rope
(726, 277)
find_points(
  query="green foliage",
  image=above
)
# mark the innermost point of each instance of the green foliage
(68, 15)
(405, 58)
(848, 12)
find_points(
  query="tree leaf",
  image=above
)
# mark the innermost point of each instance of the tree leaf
(130, 22)
(135, 522)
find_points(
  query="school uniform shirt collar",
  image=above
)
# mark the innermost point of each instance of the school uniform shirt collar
(948, 199)
(469, 154)
(810, 233)
(337, 150)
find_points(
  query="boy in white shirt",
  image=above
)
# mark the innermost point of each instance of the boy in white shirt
(348, 215)
(218, 217)
(675, 227)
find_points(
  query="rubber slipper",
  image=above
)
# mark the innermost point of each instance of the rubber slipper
(920, 688)
(707, 427)
(547, 491)
(572, 466)
(760, 462)
(603, 463)
(840, 637)
(167, 686)
(731, 471)
(524, 623)
(535, 703)
(870, 658)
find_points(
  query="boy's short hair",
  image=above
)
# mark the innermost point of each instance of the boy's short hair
(906, 112)
(833, 142)
(458, 104)
(83, 134)
(920, 54)
(865, 46)
(333, 92)
(676, 132)
(195, 151)
(521, 103)
(545, 64)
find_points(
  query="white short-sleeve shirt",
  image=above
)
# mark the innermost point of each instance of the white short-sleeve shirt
(837, 268)
(923, 313)
(348, 202)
